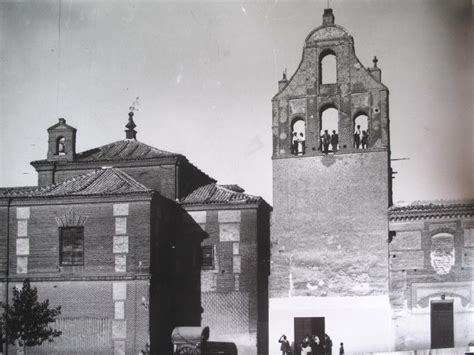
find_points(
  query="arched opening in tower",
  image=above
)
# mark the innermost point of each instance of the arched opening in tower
(298, 136)
(60, 146)
(328, 68)
(329, 130)
(361, 131)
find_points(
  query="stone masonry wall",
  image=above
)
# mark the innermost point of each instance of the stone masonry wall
(356, 92)
(330, 226)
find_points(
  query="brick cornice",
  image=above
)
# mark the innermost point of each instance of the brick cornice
(464, 209)
(66, 200)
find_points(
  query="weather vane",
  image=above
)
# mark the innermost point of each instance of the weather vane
(135, 104)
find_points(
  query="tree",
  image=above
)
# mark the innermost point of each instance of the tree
(25, 321)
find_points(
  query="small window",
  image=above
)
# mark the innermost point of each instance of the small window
(60, 146)
(71, 242)
(207, 257)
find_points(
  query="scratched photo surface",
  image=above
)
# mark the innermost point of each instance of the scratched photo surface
(180, 173)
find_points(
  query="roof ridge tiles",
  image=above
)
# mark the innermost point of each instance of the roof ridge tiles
(216, 194)
(103, 181)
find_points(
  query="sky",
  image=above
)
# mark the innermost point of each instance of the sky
(205, 73)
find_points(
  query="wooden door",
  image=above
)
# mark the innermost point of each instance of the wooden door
(442, 327)
(307, 326)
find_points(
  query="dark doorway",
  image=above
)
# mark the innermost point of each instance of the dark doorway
(442, 332)
(307, 326)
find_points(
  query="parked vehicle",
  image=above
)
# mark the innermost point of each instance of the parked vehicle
(195, 341)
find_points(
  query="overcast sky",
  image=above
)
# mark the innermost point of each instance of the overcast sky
(205, 73)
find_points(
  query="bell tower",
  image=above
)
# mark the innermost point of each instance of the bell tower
(331, 193)
(61, 142)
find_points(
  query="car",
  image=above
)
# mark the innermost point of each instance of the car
(195, 341)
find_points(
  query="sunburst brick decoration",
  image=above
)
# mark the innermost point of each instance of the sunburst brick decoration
(71, 219)
(442, 253)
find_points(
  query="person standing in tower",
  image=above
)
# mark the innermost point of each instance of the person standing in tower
(357, 137)
(326, 138)
(365, 139)
(341, 349)
(294, 143)
(334, 141)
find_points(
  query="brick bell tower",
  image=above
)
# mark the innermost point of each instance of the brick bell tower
(331, 192)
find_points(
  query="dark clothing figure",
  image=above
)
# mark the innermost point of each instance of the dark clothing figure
(334, 141)
(315, 345)
(365, 139)
(294, 144)
(341, 349)
(326, 139)
(357, 138)
(285, 345)
(327, 345)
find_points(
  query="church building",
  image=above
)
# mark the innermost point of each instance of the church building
(345, 261)
(132, 241)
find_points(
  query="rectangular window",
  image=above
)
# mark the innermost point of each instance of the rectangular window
(207, 257)
(71, 245)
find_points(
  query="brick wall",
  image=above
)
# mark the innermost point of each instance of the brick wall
(4, 211)
(92, 323)
(170, 180)
(38, 227)
(230, 289)
(175, 288)
(104, 301)
(430, 259)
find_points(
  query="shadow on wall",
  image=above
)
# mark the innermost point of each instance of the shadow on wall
(175, 290)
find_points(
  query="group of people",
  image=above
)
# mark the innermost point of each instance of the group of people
(329, 139)
(298, 143)
(310, 345)
(361, 139)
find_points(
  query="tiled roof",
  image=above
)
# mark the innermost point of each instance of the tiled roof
(216, 194)
(432, 210)
(109, 181)
(12, 191)
(233, 187)
(127, 149)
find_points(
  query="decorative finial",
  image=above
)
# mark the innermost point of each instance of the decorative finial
(284, 75)
(130, 133)
(375, 61)
(328, 17)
